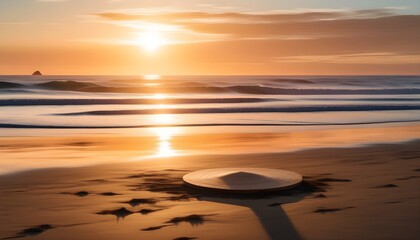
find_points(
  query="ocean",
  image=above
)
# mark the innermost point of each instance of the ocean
(115, 102)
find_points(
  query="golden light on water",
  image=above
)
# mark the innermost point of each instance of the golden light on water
(151, 84)
(164, 106)
(163, 118)
(159, 96)
(164, 134)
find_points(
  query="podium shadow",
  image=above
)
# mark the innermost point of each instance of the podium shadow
(269, 213)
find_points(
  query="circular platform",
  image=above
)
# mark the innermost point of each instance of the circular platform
(243, 179)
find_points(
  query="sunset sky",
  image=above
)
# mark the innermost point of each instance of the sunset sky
(202, 37)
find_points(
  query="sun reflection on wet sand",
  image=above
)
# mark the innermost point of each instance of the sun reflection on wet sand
(164, 134)
(164, 146)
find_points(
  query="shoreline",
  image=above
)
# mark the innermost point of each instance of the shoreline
(250, 154)
(21, 153)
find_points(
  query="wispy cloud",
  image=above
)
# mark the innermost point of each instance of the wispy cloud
(369, 25)
(356, 58)
(282, 16)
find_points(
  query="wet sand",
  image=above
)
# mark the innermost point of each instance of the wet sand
(54, 148)
(359, 192)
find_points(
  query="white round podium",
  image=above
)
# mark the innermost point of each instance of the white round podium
(243, 179)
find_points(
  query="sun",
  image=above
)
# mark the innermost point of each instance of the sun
(151, 40)
(151, 77)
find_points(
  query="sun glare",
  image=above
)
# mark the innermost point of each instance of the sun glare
(151, 77)
(151, 40)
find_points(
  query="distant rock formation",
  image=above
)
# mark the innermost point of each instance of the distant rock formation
(37, 73)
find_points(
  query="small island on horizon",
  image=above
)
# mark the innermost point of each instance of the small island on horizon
(37, 73)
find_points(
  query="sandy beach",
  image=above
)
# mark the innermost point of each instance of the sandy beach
(209, 120)
(349, 191)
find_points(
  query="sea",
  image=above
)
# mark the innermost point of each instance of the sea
(124, 102)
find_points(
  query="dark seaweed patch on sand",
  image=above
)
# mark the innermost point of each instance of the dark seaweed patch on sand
(407, 178)
(109, 194)
(156, 227)
(193, 219)
(387, 186)
(119, 213)
(79, 194)
(410, 157)
(373, 163)
(123, 212)
(330, 210)
(168, 184)
(333, 180)
(138, 201)
(33, 231)
(146, 211)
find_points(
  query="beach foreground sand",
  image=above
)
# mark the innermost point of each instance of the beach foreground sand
(369, 192)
